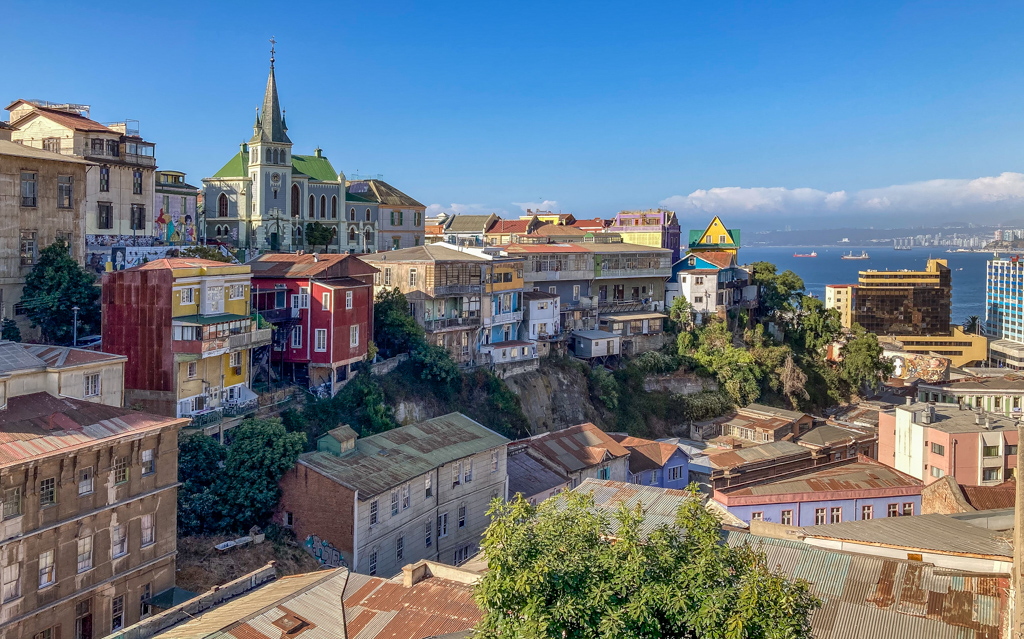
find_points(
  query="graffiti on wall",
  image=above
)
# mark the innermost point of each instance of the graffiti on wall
(325, 552)
(925, 367)
(174, 225)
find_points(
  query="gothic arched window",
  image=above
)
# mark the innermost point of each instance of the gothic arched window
(222, 206)
(323, 206)
(270, 157)
(334, 207)
(312, 207)
(351, 234)
(352, 214)
(367, 215)
(296, 201)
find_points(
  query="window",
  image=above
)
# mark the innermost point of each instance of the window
(104, 215)
(12, 502)
(28, 247)
(323, 206)
(819, 516)
(353, 335)
(65, 191)
(137, 182)
(29, 189)
(468, 477)
(1011, 449)
(835, 516)
(908, 509)
(325, 301)
(92, 385)
(148, 463)
(236, 291)
(289, 519)
(553, 290)
(148, 530)
(145, 609)
(576, 292)
(399, 548)
(867, 512)
(188, 295)
(373, 512)
(442, 525)
(757, 516)
(120, 470)
(892, 510)
(936, 471)
(787, 517)
(721, 239)
(348, 300)
(373, 562)
(51, 144)
(11, 582)
(47, 571)
(119, 540)
(138, 221)
(412, 277)
(990, 451)
(113, 148)
(494, 461)
(222, 205)
(428, 488)
(321, 340)
(367, 218)
(45, 634)
(85, 481)
(394, 502)
(938, 449)
(192, 369)
(675, 473)
(117, 613)
(990, 474)
(654, 476)
(428, 531)
(405, 496)
(417, 218)
(334, 207)
(312, 207)
(297, 337)
(387, 277)
(85, 553)
(456, 474)
(48, 492)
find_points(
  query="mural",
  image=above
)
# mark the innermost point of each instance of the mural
(122, 257)
(173, 225)
(925, 367)
(325, 552)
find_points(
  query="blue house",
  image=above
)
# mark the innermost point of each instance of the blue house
(710, 281)
(654, 463)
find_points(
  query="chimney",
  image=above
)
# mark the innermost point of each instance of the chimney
(977, 419)
(316, 257)
(927, 417)
(988, 424)
(910, 400)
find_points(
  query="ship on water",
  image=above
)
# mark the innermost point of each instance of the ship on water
(850, 256)
(811, 254)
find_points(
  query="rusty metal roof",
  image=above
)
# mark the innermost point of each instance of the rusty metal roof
(764, 452)
(827, 435)
(39, 425)
(529, 477)
(63, 356)
(307, 265)
(383, 461)
(659, 504)
(577, 447)
(376, 607)
(864, 596)
(646, 454)
(862, 475)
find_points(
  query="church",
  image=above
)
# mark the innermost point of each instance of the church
(262, 198)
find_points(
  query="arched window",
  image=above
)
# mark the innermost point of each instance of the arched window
(296, 201)
(277, 156)
(369, 238)
(270, 156)
(334, 207)
(284, 157)
(297, 235)
(367, 215)
(222, 205)
(323, 206)
(352, 214)
(351, 234)
(312, 207)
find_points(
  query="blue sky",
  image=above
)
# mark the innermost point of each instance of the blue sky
(812, 113)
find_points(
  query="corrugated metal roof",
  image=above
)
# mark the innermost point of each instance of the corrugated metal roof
(469, 223)
(529, 477)
(425, 253)
(378, 607)
(576, 447)
(659, 504)
(866, 597)
(827, 434)
(991, 497)
(380, 462)
(645, 454)
(933, 533)
(773, 450)
(861, 475)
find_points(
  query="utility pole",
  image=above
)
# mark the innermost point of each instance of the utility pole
(74, 339)
(1018, 539)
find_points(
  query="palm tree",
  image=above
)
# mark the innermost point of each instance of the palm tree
(972, 325)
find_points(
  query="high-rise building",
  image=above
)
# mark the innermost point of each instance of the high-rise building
(1004, 316)
(905, 302)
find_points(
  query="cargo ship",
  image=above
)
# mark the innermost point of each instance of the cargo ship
(811, 254)
(863, 256)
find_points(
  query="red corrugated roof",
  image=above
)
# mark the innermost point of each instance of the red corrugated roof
(70, 120)
(646, 454)
(429, 608)
(991, 497)
(303, 266)
(576, 447)
(721, 259)
(177, 262)
(509, 226)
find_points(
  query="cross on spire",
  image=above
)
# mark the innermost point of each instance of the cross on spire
(273, 43)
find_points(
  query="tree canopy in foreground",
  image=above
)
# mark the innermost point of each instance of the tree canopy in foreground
(565, 570)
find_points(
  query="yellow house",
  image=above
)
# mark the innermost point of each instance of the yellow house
(962, 349)
(715, 237)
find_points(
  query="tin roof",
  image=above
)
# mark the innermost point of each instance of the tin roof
(629, 316)
(622, 247)
(23, 151)
(933, 533)
(469, 223)
(39, 425)
(317, 167)
(509, 226)
(596, 334)
(949, 418)
(721, 259)
(863, 475)
(659, 504)
(1012, 382)
(864, 596)
(764, 452)
(67, 119)
(529, 477)
(827, 435)
(61, 356)
(577, 447)
(381, 192)
(376, 607)
(380, 462)
(646, 454)
(425, 253)
(544, 248)
(307, 265)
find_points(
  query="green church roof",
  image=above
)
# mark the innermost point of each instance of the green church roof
(237, 167)
(316, 167)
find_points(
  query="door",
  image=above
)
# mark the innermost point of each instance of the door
(83, 620)
(274, 244)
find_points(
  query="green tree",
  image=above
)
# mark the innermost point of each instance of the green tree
(319, 234)
(394, 329)
(862, 361)
(436, 365)
(55, 285)
(681, 312)
(199, 460)
(9, 330)
(972, 324)
(203, 252)
(557, 571)
(780, 293)
(260, 453)
(818, 326)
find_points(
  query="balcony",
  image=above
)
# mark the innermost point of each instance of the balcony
(253, 339)
(448, 323)
(504, 318)
(279, 315)
(457, 289)
(553, 276)
(234, 408)
(635, 272)
(208, 417)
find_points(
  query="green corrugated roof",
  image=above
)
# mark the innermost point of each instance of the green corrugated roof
(237, 167)
(318, 168)
(355, 197)
(206, 320)
(697, 234)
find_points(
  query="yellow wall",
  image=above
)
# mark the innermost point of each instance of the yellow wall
(643, 239)
(841, 299)
(499, 269)
(716, 230)
(952, 347)
(211, 372)
(237, 307)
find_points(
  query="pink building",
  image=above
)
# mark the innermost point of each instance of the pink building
(930, 441)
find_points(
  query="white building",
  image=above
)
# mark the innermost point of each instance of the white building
(541, 319)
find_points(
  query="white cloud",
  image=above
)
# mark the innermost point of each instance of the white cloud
(546, 205)
(462, 209)
(980, 195)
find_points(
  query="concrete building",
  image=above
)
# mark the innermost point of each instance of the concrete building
(654, 227)
(565, 270)
(175, 202)
(1002, 395)
(580, 452)
(185, 326)
(653, 463)
(363, 214)
(416, 492)
(931, 441)
(541, 319)
(961, 349)
(851, 489)
(762, 424)
(61, 371)
(840, 297)
(321, 307)
(712, 283)
(88, 530)
(400, 218)
(118, 193)
(715, 237)
(42, 200)
(1004, 322)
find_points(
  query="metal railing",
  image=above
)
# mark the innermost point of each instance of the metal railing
(457, 289)
(260, 337)
(234, 408)
(208, 418)
(450, 322)
(505, 318)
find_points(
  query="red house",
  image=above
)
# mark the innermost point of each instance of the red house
(322, 308)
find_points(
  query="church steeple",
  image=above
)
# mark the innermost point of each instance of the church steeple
(271, 124)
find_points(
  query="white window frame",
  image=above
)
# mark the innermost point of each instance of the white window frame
(297, 336)
(47, 569)
(348, 300)
(118, 541)
(442, 525)
(413, 277)
(374, 512)
(191, 370)
(188, 295)
(428, 488)
(320, 340)
(325, 301)
(395, 509)
(399, 548)
(148, 526)
(11, 582)
(373, 562)
(494, 461)
(86, 481)
(353, 335)
(406, 498)
(92, 385)
(675, 473)
(84, 553)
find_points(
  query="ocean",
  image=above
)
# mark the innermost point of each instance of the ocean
(968, 269)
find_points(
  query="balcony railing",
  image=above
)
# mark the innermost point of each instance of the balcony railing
(207, 418)
(457, 289)
(551, 276)
(636, 272)
(450, 322)
(252, 339)
(234, 408)
(504, 318)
